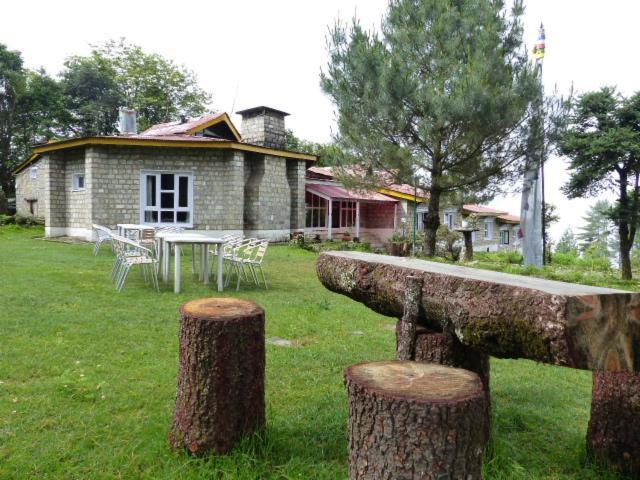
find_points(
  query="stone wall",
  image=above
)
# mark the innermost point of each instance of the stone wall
(232, 191)
(264, 128)
(218, 194)
(32, 188)
(267, 197)
(296, 178)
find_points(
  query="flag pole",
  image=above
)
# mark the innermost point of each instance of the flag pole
(539, 51)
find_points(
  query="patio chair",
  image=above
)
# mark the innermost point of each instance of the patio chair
(250, 253)
(128, 254)
(102, 235)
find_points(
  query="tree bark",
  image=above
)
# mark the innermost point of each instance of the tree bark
(498, 314)
(432, 222)
(406, 331)
(220, 395)
(411, 420)
(468, 246)
(613, 435)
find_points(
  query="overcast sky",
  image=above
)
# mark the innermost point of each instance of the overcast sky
(259, 52)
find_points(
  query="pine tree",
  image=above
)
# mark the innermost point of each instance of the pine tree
(441, 94)
(567, 243)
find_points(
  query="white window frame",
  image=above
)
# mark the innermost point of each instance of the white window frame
(449, 219)
(488, 229)
(157, 208)
(75, 182)
(33, 172)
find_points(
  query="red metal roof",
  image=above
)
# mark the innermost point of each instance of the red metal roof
(509, 218)
(173, 128)
(335, 192)
(483, 210)
(175, 138)
(384, 177)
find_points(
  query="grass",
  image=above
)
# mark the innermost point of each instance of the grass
(88, 377)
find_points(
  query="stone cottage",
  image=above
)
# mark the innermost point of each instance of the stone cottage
(497, 229)
(199, 174)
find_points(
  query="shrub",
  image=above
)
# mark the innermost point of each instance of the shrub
(7, 219)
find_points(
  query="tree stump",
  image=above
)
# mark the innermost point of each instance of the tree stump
(410, 420)
(220, 395)
(445, 349)
(613, 435)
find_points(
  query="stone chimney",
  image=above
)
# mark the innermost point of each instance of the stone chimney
(127, 124)
(263, 126)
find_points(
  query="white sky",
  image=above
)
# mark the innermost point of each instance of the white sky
(258, 52)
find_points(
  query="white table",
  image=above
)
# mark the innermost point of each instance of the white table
(177, 239)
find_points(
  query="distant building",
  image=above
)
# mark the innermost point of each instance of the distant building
(497, 229)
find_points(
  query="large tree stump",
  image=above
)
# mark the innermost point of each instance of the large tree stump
(613, 435)
(220, 394)
(410, 420)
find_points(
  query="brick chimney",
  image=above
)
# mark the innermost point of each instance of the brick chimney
(263, 126)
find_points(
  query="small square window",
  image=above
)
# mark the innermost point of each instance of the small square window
(77, 181)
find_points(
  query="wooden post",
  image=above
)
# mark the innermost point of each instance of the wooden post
(613, 435)
(411, 420)
(220, 395)
(406, 337)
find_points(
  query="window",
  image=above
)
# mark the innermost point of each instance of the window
(474, 236)
(77, 182)
(504, 237)
(448, 220)
(488, 229)
(166, 198)
(316, 211)
(343, 214)
(33, 172)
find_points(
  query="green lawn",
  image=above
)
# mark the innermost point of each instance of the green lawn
(87, 377)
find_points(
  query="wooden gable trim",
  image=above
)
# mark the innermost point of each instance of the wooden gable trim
(222, 118)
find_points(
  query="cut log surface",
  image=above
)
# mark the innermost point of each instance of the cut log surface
(508, 316)
(220, 395)
(410, 420)
(613, 435)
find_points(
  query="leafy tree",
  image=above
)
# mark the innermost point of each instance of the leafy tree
(441, 93)
(40, 109)
(92, 96)
(328, 153)
(157, 88)
(567, 243)
(12, 84)
(119, 74)
(603, 144)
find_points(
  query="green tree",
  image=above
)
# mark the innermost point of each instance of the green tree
(567, 243)
(328, 153)
(603, 144)
(40, 110)
(597, 238)
(441, 93)
(12, 85)
(118, 74)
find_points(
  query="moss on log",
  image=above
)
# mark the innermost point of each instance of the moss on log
(508, 316)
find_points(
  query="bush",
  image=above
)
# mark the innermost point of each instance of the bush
(20, 220)
(7, 219)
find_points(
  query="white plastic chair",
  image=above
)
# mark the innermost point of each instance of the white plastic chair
(128, 254)
(102, 235)
(249, 253)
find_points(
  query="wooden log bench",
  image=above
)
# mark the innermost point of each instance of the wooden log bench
(511, 316)
(410, 420)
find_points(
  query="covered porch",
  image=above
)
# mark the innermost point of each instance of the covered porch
(335, 213)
